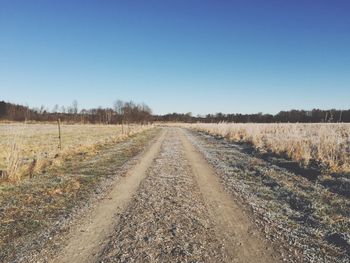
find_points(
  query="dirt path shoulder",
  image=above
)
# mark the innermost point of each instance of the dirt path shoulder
(232, 225)
(87, 237)
(304, 219)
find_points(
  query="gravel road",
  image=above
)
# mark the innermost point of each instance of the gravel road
(174, 205)
(167, 221)
(180, 213)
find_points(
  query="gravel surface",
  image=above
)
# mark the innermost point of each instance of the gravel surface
(310, 222)
(167, 221)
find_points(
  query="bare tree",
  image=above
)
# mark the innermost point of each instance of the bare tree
(118, 107)
(42, 109)
(63, 109)
(75, 107)
(55, 108)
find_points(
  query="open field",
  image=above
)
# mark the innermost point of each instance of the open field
(26, 144)
(175, 194)
(325, 144)
(174, 131)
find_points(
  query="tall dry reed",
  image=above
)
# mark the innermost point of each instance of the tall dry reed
(325, 143)
(29, 148)
(13, 155)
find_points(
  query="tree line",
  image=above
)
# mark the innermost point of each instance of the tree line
(293, 116)
(121, 112)
(130, 112)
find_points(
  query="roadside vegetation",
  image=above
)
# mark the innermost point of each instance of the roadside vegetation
(27, 149)
(303, 211)
(323, 144)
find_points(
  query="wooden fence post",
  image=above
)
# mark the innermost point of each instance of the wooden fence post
(59, 133)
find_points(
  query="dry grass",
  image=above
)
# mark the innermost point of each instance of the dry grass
(325, 143)
(34, 212)
(28, 148)
(12, 159)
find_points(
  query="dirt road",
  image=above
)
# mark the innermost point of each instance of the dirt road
(88, 236)
(170, 207)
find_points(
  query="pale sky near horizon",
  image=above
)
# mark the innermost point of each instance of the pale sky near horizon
(177, 56)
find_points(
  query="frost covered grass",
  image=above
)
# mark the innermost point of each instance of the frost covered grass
(27, 148)
(327, 144)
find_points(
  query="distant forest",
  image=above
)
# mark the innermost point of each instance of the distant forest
(122, 112)
(302, 116)
(130, 112)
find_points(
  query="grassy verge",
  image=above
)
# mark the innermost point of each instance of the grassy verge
(326, 144)
(27, 149)
(36, 205)
(294, 208)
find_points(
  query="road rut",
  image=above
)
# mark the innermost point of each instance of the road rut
(87, 238)
(231, 224)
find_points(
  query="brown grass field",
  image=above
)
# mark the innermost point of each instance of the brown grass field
(27, 148)
(324, 143)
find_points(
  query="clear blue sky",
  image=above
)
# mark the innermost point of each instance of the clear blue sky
(199, 56)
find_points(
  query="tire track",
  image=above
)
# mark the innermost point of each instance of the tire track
(231, 224)
(87, 237)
